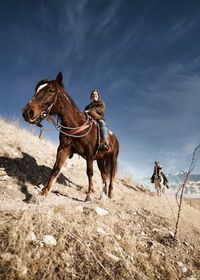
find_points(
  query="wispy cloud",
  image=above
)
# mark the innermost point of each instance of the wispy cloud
(183, 67)
(106, 18)
(79, 27)
(74, 26)
(174, 32)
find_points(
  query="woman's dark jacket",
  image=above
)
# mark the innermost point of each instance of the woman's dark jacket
(96, 109)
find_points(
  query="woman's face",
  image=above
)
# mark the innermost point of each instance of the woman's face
(95, 96)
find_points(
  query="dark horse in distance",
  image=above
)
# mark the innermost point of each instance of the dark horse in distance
(79, 133)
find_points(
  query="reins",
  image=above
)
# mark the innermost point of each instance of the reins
(74, 130)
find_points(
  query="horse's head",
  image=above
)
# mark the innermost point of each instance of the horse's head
(43, 100)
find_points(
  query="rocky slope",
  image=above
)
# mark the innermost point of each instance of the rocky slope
(63, 237)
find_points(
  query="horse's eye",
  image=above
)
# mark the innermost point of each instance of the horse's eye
(50, 90)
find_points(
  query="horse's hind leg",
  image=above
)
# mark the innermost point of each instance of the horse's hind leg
(101, 166)
(113, 166)
(90, 178)
(104, 191)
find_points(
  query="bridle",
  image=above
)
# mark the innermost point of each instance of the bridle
(73, 131)
(45, 114)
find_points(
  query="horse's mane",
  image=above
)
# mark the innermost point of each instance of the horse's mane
(69, 97)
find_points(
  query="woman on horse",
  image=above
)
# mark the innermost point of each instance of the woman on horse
(96, 109)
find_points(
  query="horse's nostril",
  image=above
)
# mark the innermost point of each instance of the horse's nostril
(30, 113)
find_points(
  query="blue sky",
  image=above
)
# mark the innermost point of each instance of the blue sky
(143, 56)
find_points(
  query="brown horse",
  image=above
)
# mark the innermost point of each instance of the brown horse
(78, 133)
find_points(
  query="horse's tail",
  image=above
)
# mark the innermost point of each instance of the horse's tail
(111, 159)
(109, 163)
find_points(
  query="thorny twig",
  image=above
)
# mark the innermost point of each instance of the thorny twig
(182, 187)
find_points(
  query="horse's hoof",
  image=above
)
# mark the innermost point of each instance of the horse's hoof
(89, 197)
(110, 195)
(105, 191)
(33, 199)
(44, 192)
(103, 196)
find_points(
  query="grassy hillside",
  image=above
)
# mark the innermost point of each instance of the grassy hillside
(63, 237)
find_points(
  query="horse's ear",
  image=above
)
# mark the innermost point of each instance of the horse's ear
(59, 78)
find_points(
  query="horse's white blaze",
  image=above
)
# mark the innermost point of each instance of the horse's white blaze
(40, 87)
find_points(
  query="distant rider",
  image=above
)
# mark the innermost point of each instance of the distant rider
(158, 165)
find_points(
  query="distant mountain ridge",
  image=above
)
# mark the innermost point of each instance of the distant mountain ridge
(180, 177)
(192, 186)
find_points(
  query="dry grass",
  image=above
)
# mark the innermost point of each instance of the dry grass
(126, 244)
(17, 137)
(193, 202)
(133, 241)
(80, 252)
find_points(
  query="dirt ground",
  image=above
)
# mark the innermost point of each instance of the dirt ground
(127, 237)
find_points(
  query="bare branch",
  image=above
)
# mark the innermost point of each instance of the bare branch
(181, 189)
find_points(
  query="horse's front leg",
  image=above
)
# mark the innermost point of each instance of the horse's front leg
(62, 154)
(90, 178)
